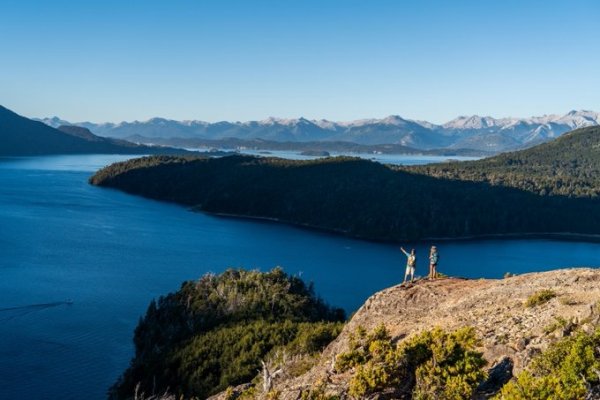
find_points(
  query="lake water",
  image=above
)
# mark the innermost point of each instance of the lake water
(395, 159)
(110, 253)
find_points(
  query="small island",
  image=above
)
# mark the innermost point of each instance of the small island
(315, 153)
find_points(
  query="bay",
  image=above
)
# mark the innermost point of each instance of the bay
(79, 265)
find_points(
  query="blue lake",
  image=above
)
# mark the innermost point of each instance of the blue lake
(111, 253)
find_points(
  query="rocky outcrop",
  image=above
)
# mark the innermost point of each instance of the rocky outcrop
(511, 331)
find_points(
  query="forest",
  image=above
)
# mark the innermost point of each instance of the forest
(216, 332)
(551, 188)
(567, 166)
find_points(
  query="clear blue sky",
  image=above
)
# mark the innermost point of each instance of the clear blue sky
(240, 60)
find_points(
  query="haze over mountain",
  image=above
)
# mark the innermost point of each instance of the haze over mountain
(464, 132)
(20, 136)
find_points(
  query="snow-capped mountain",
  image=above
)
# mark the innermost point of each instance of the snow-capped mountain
(473, 132)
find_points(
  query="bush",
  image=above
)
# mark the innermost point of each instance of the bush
(432, 365)
(560, 323)
(451, 369)
(318, 392)
(541, 297)
(563, 372)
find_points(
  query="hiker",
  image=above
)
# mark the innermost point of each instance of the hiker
(433, 261)
(411, 263)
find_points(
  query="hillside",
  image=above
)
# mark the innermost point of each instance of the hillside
(567, 166)
(214, 333)
(351, 196)
(20, 136)
(547, 342)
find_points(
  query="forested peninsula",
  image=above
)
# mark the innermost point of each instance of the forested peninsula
(550, 189)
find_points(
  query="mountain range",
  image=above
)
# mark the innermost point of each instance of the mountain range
(465, 132)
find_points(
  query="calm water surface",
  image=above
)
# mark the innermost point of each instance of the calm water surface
(110, 253)
(396, 159)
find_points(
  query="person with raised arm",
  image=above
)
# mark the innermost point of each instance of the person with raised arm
(411, 263)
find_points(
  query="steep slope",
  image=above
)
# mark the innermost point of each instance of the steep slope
(20, 136)
(513, 329)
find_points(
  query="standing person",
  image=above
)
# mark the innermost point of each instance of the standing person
(411, 263)
(433, 261)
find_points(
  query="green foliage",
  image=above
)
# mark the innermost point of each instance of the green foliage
(213, 333)
(318, 392)
(558, 324)
(375, 359)
(448, 365)
(368, 200)
(541, 297)
(361, 345)
(563, 372)
(568, 166)
(229, 394)
(211, 362)
(432, 365)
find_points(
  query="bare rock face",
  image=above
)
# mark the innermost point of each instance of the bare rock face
(498, 376)
(511, 331)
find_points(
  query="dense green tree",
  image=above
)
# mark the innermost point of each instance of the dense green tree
(214, 332)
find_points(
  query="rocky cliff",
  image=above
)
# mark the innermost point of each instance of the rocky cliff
(516, 318)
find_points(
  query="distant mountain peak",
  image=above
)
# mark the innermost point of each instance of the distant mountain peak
(471, 122)
(394, 120)
(466, 131)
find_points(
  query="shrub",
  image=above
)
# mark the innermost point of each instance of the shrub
(318, 392)
(563, 372)
(540, 297)
(452, 368)
(559, 323)
(432, 365)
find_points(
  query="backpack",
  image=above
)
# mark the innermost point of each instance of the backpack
(412, 261)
